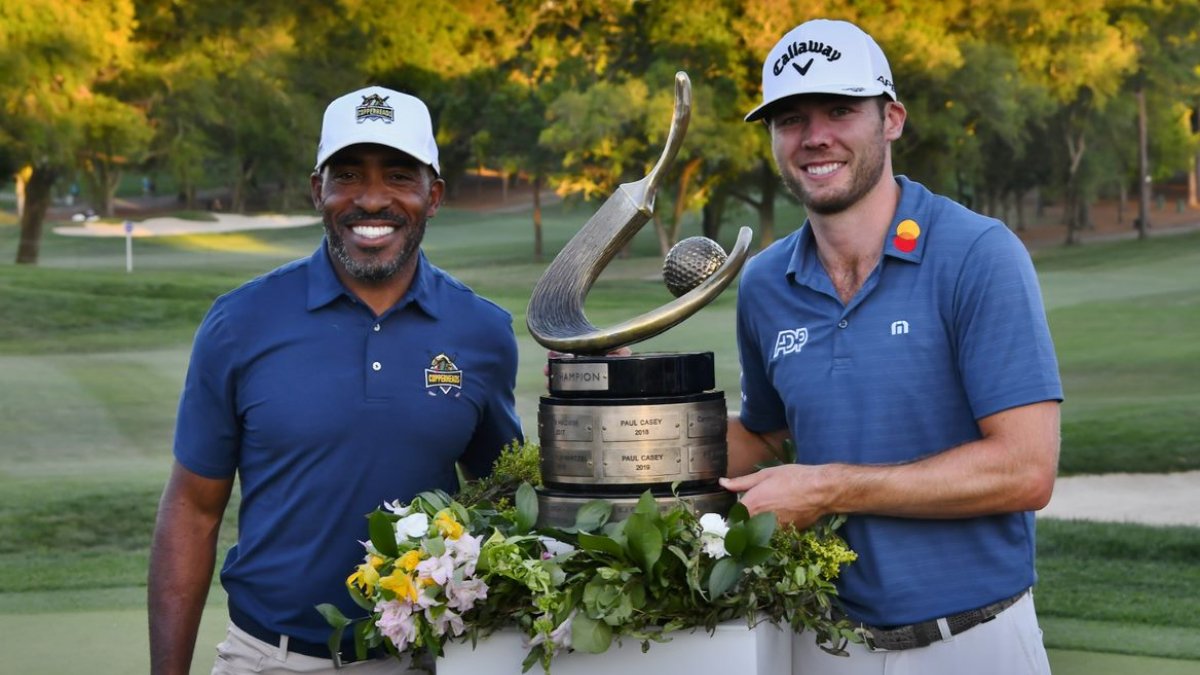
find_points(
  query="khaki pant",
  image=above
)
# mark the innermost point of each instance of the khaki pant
(1010, 644)
(241, 653)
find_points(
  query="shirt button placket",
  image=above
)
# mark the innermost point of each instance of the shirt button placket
(376, 383)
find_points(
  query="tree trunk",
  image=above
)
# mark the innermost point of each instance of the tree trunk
(37, 202)
(1143, 222)
(537, 216)
(1122, 195)
(768, 185)
(710, 217)
(681, 199)
(1194, 184)
(1074, 198)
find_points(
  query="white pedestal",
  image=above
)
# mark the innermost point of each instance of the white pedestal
(733, 649)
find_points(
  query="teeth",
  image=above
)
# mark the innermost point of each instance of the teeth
(368, 232)
(823, 169)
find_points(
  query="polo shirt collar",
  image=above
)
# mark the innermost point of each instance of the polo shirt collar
(324, 286)
(905, 237)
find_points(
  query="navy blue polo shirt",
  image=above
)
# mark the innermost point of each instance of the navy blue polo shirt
(949, 328)
(324, 411)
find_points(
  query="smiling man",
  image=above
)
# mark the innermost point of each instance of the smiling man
(899, 340)
(360, 374)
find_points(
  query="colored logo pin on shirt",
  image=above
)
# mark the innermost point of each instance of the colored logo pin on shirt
(906, 236)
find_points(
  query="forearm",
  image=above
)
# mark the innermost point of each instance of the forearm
(1012, 468)
(182, 560)
(746, 450)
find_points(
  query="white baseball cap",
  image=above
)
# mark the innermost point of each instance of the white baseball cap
(824, 57)
(382, 116)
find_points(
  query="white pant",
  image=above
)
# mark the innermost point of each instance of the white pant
(241, 653)
(1010, 644)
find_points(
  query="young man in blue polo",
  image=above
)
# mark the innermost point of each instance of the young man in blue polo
(900, 341)
(360, 374)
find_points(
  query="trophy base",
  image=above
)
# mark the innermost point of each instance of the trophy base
(634, 376)
(558, 509)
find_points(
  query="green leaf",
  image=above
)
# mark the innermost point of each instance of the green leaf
(737, 513)
(383, 534)
(724, 576)
(593, 515)
(736, 540)
(360, 640)
(644, 541)
(646, 504)
(756, 555)
(333, 616)
(589, 635)
(359, 599)
(435, 546)
(760, 528)
(527, 508)
(594, 542)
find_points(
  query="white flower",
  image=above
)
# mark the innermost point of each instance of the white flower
(555, 547)
(412, 526)
(465, 550)
(712, 535)
(395, 507)
(448, 619)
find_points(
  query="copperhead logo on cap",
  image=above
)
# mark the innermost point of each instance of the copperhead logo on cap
(374, 107)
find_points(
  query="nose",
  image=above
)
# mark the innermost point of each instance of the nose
(373, 197)
(817, 133)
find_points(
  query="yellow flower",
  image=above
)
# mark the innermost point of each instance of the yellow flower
(408, 561)
(401, 585)
(447, 525)
(366, 575)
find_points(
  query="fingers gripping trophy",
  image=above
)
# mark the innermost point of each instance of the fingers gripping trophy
(614, 426)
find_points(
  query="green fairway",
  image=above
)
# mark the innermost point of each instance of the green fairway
(92, 359)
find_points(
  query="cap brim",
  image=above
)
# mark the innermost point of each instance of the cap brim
(367, 138)
(855, 91)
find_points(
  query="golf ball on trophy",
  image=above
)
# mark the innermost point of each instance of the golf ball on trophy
(690, 262)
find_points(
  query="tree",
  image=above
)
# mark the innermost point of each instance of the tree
(54, 55)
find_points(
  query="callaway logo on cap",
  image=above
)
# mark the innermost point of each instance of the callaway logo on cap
(824, 57)
(381, 116)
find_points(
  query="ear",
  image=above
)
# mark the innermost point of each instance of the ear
(316, 185)
(893, 120)
(437, 190)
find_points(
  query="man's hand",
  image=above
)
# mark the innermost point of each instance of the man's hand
(791, 491)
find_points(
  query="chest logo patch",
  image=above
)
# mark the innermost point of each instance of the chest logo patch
(442, 375)
(907, 233)
(789, 342)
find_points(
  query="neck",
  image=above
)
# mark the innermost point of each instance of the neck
(858, 232)
(380, 295)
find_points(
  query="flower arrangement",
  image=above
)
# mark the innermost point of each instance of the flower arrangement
(440, 569)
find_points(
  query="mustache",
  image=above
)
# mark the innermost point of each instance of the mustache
(351, 218)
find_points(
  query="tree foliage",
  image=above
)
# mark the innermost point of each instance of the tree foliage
(1006, 99)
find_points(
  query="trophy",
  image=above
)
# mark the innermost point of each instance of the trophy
(611, 426)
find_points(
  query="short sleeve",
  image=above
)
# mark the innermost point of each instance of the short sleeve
(499, 424)
(207, 430)
(1004, 349)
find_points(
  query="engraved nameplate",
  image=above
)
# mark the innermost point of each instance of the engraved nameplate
(643, 462)
(560, 425)
(579, 376)
(568, 463)
(640, 424)
(711, 422)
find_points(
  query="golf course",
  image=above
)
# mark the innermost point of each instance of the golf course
(92, 358)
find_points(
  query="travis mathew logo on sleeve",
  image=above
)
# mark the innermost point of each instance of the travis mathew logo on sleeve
(374, 107)
(798, 49)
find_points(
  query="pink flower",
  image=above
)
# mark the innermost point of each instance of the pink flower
(448, 619)
(464, 594)
(440, 569)
(465, 550)
(396, 622)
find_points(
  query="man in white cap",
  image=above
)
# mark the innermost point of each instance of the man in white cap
(360, 374)
(899, 340)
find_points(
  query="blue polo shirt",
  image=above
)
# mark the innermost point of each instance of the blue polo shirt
(323, 411)
(949, 328)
